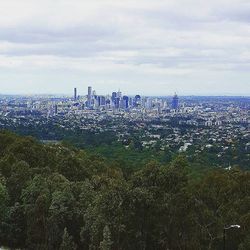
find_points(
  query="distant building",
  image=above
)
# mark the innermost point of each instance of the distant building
(117, 102)
(108, 103)
(101, 101)
(56, 109)
(75, 93)
(114, 95)
(89, 97)
(208, 123)
(119, 94)
(137, 101)
(175, 102)
(125, 102)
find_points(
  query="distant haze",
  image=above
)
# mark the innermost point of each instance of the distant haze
(150, 47)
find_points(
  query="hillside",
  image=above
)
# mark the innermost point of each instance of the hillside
(61, 197)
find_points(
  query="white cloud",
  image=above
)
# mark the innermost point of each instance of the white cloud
(125, 41)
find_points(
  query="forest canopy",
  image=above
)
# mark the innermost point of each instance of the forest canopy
(61, 197)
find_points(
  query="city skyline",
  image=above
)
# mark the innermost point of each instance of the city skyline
(158, 48)
(81, 93)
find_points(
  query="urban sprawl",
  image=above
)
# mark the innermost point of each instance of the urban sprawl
(172, 122)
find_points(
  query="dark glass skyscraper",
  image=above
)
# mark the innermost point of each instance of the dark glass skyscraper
(125, 101)
(89, 97)
(75, 93)
(137, 101)
(175, 102)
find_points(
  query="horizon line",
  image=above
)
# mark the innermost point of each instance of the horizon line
(144, 95)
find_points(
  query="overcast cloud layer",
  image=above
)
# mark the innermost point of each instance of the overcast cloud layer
(152, 47)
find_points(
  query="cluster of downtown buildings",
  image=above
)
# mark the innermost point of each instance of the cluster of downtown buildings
(189, 110)
(117, 101)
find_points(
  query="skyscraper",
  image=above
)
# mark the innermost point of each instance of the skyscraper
(175, 102)
(117, 103)
(89, 91)
(101, 100)
(75, 93)
(125, 101)
(56, 109)
(137, 101)
(114, 95)
(89, 97)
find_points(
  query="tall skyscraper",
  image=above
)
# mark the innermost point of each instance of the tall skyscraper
(114, 95)
(89, 91)
(137, 101)
(89, 97)
(175, 102)
(125, 101)
(56, 109)
(101, 100)
(75, 93)
(117, 102)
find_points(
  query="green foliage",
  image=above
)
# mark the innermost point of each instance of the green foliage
(67, 242)
(106, 243)
(59, 197)
(3, 201)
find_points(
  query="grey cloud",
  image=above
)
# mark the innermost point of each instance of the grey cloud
(85, 32)
(238, 12)
(170, 37)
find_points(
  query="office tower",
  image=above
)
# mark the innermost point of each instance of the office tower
(149, 103)
(75, 93)
(125, 102)
(89, 96)
(130, 102)
(108, 102)
(119, 94)
(175, 102)
(117, 102)
(56, 109)
(94, 102)
(165, 104)
(101, 100)
(114, 95)
(143, 102)
(137, 101)
(89, 92)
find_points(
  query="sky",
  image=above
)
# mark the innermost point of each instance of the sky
(149, 47)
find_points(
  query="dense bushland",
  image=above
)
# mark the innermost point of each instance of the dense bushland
(60, 197)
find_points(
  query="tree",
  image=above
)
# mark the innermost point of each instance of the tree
(67, 241)
(3, 201)
(106, 243)
(18, 179)
(73, 199)
(13, 231)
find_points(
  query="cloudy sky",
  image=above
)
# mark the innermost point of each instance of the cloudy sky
(152, 47)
